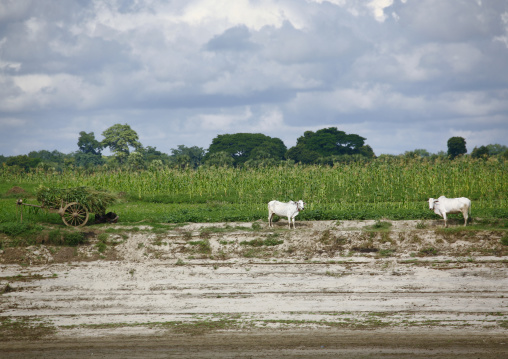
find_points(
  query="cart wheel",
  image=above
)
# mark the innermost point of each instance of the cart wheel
(75, 214)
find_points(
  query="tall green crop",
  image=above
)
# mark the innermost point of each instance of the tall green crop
(400, 182)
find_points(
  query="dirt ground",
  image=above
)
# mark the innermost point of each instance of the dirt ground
(351, 289)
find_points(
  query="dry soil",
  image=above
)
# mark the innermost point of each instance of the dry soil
(327, 289)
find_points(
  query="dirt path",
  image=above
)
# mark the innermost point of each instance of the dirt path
(324, 290)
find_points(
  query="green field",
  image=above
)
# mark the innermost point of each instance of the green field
(392, 189)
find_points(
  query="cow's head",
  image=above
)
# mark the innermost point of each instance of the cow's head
(300, 205)
(432, 201)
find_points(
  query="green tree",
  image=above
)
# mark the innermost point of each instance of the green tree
(136, 161)
(151, 154)
(302, 154)
(480, 152)
(54, 156)
(23, 161)
(456, 147)
(88, 144)
(187, 156)
(419, 152)
(496, 149)
(89, 151)
(241, 147)
(119, 139)
(219, 159)
(328, 142)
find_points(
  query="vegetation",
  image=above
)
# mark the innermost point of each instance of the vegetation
(392, 188)
(336, 173)
(328, 146)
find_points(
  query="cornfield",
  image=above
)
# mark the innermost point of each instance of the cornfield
(399, 184)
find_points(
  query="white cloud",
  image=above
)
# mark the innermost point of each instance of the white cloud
(378, 6)
(223, 121)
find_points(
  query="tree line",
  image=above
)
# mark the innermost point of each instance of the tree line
(327, 146)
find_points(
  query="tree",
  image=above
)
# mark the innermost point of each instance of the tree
(302, 154)
(88, 144)
(23, 161)
(496, 149)
(480, 152)
(136, 161)
(119, 138)
(418, 153)
(456, 147)
(240, 147)
(219, 159)
(328, 142)
(89, 151)
(55, 157)
(187, 156)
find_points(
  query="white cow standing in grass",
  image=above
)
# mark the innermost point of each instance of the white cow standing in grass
(444, 205)
(289, 209)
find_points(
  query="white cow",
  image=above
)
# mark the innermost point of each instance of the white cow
(444, 205)
(290, 210)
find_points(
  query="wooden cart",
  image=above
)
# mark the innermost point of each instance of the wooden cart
(73, 214)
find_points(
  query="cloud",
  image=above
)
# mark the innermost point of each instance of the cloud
(397, 72)
(233, 39)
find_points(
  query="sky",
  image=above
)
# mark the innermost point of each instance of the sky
(404, 74)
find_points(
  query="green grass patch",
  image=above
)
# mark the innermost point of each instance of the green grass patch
(271, 240)
(379, 226)
(203, 246)
(26, 328)
(15, 229)
(504, 240)
(428, 252)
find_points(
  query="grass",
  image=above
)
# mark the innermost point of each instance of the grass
(504, 240)
(29, 233)
(203, 246)
(271, 240)
(380, 225)
(26, 328)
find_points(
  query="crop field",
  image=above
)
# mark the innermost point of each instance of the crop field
(391, 189)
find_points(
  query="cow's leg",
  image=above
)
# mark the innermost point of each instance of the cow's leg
(444, 217)
(270, 215)
(464, 213)
(289, 222)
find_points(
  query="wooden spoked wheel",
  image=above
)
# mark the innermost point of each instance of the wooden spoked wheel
(75, 214)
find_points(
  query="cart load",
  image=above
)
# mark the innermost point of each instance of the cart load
(73, 204)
